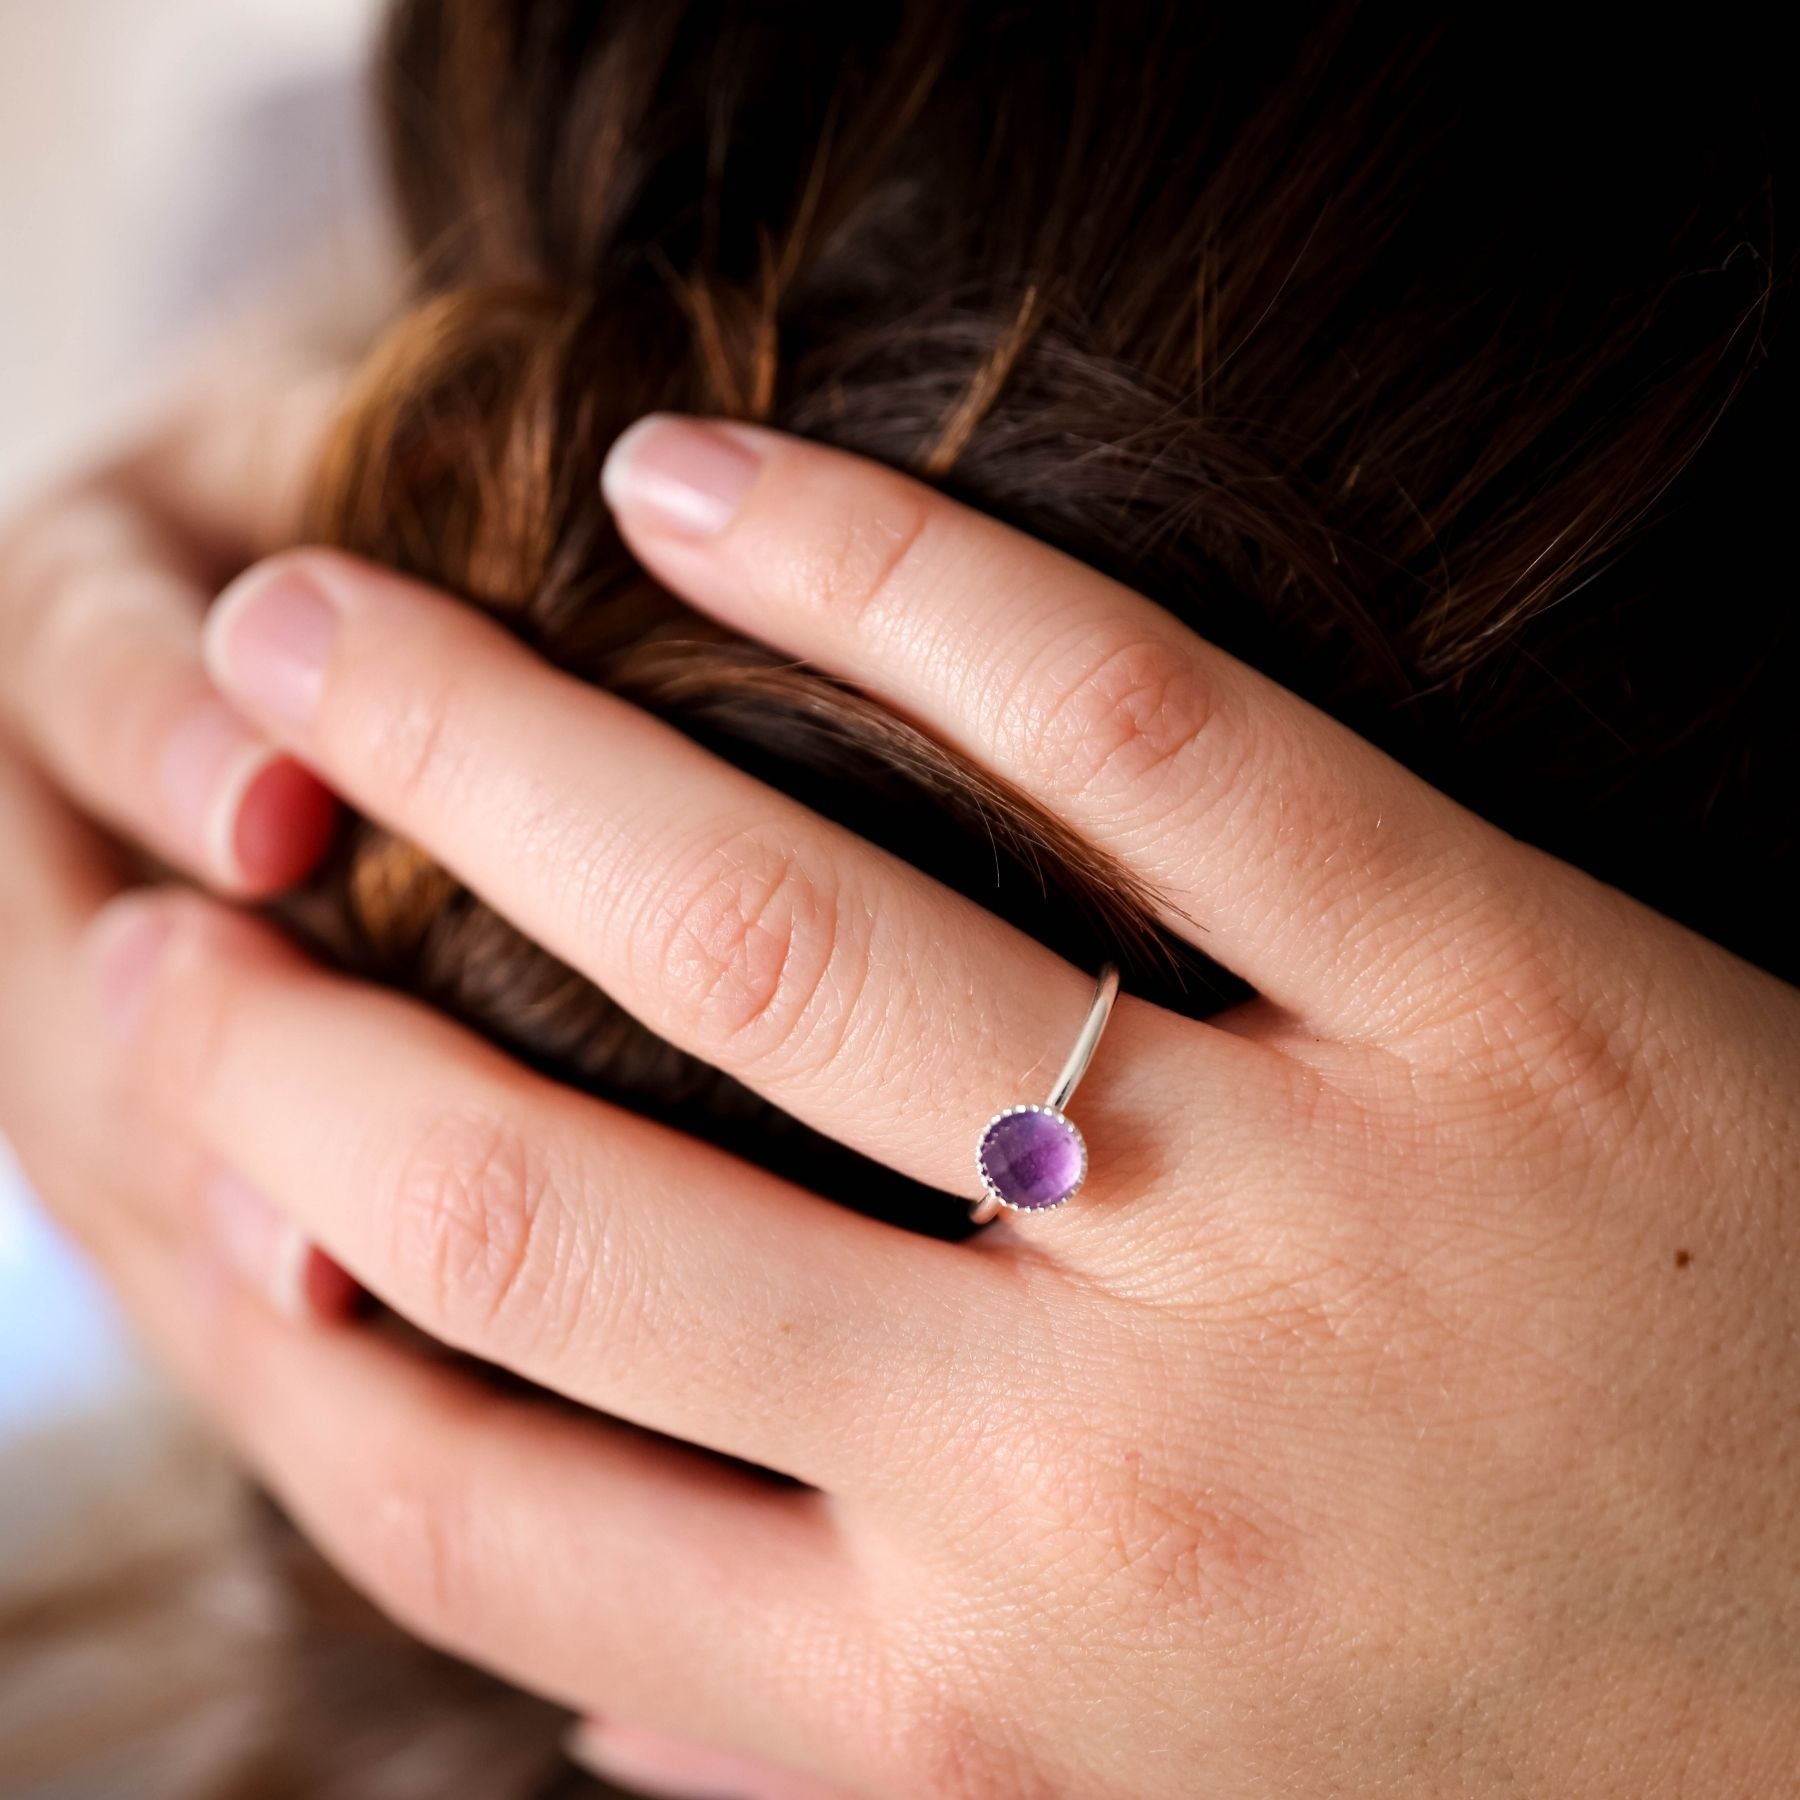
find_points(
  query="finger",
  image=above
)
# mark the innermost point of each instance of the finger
(1290, 849)
(90, 1165)
(590, 1250)
(574, 1556)
(833, 978)
(54, 877)
(231, 470)
(101, 679)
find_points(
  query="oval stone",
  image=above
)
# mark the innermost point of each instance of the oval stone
(1032, 1158)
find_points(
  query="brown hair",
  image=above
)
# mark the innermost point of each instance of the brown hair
(1271, 320)
(1377, 357)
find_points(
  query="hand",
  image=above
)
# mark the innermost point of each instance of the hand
(1405, 1406)
(105, 706)
(103, 586)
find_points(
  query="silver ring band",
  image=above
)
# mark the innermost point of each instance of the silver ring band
(1032, 1158)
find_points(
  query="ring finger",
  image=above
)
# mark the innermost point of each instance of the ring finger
(856, 993)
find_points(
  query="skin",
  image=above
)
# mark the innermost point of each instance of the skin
(1404, 1407)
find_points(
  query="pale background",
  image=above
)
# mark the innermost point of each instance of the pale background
(173, 173)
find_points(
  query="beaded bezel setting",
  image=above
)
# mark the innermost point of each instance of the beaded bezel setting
(1031, 1159)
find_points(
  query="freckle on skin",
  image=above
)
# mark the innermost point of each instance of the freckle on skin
(1683, 1258)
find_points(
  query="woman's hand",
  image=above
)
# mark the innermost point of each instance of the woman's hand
(103, 587)
(1405, 1405)
(105, 707)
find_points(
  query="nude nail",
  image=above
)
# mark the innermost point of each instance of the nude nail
(681, 476)
(269, 641)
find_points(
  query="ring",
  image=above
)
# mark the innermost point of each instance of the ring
(1031, 1158)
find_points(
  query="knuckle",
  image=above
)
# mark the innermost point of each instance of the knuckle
(409, 1545)
(74, 564)
(873, 536)
(1541, 1033)
(478, 1232)
(58, 595)
(53, 618)
(934, 1741)
(40, 552)
(1111, 716)
(113, 707)
(750, 942)
(408, 747)
(1535, 1025)
(184, 1034)
(96, 639)
(1155, 1544)
(408, 741)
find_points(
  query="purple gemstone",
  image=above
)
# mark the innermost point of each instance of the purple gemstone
(1032, 1159)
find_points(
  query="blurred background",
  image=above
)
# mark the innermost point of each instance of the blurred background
(173, 174)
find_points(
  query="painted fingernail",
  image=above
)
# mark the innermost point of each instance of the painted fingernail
(650, 1763)
(268, 641)
(257, 818)
(125, 942)
(285, 820)
(678, 475)
(271, 1255)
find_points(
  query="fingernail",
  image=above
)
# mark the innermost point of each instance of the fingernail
(650, 1763)
(678, 475)
(271, 1255)
(268, 641)
(251, 813)
(285, 818)
(125, 942)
